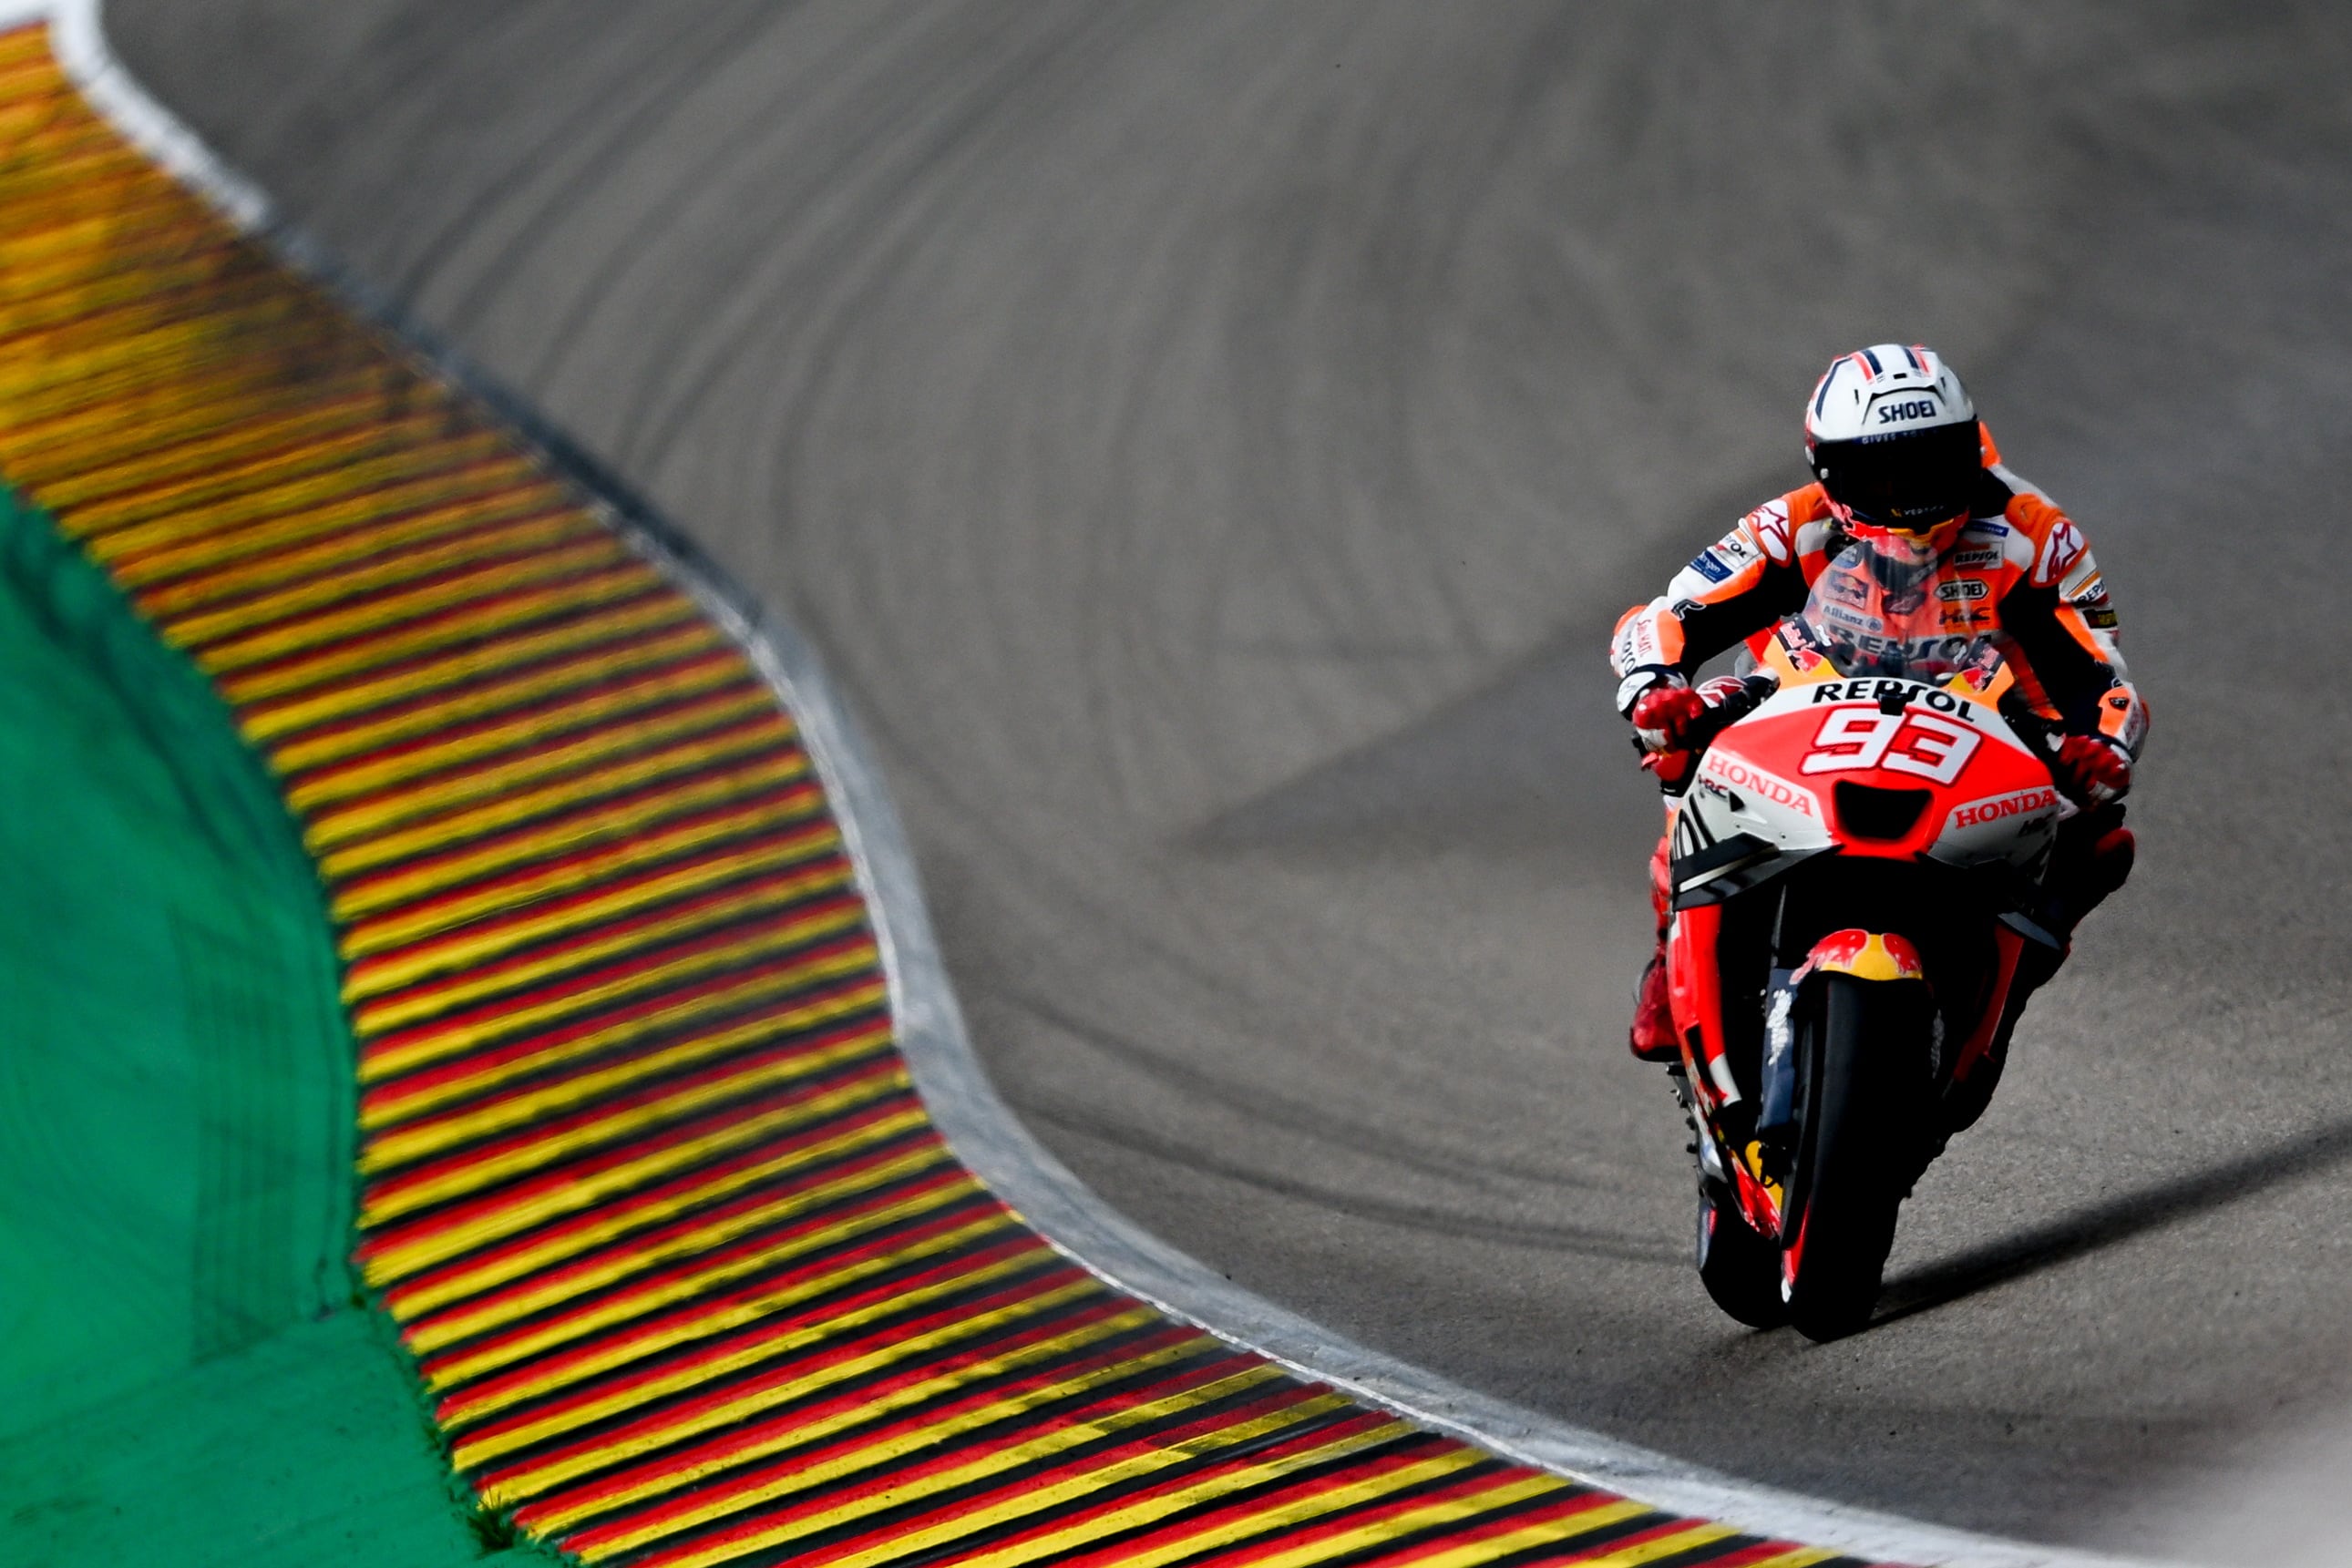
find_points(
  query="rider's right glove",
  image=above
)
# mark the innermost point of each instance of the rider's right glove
(2093, 770)
(1663, 714)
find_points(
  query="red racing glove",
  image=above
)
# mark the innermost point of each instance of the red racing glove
(1663, 714)
(2093, 770)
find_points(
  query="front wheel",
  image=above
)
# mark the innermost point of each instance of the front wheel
(1863, 1098)
(1740, 1269)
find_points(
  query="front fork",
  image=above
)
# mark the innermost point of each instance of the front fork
(1747, 1145)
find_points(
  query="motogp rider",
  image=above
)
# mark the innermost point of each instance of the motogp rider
(1904, 469)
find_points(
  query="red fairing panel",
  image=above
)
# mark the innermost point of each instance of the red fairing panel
(1697, 991)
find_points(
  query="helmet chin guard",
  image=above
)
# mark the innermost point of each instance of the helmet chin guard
(1893, 437)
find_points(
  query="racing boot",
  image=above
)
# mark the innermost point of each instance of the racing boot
(1652, 1036)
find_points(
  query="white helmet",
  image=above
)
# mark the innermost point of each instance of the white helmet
(1892, 438)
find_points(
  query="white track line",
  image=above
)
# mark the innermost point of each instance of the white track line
(990, 1139)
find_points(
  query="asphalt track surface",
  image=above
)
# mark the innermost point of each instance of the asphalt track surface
(1210, 444)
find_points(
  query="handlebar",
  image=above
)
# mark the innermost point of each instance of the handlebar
(1720, 716)
(2041, 736)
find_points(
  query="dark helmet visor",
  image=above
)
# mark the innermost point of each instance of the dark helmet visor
(1914, 480)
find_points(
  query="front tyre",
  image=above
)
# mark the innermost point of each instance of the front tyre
(1863, 1094)
(1740, 1269)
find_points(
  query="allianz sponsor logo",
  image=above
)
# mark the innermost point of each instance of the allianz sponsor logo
(2025, 803)
(1739, 775)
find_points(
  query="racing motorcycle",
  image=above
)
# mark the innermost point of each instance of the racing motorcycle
(1857, 845)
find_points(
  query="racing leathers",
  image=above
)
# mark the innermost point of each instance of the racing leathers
(2042, 601)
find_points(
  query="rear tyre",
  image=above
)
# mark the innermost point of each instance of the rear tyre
(1740, 1269)
(1864, 1099)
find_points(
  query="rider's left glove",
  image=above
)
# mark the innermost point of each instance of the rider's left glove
(2093, 770)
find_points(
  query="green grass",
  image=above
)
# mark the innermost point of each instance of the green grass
(186, 1371)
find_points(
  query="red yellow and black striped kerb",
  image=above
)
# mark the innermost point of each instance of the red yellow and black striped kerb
(687, 1276)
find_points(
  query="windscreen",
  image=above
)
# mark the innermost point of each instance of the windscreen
(1873, 614)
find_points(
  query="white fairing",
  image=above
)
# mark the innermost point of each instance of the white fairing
(1733, 794)
(2018, 827)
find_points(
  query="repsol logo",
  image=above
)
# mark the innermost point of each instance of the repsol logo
(1961, 588)
(1935, 698)
(1910, 408)
(1951, 651)
(2025, 803)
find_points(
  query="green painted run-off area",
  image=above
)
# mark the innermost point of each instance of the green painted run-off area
(187, 1372)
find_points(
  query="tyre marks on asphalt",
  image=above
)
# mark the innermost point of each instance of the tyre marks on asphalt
(686, 1274)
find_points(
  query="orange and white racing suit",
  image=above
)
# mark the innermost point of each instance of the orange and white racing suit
(2044, 600)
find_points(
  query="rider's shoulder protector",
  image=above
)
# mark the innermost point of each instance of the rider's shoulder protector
(2074, 646)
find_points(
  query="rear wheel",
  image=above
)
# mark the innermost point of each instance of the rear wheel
(1864, 1099)
(1740, 1269)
